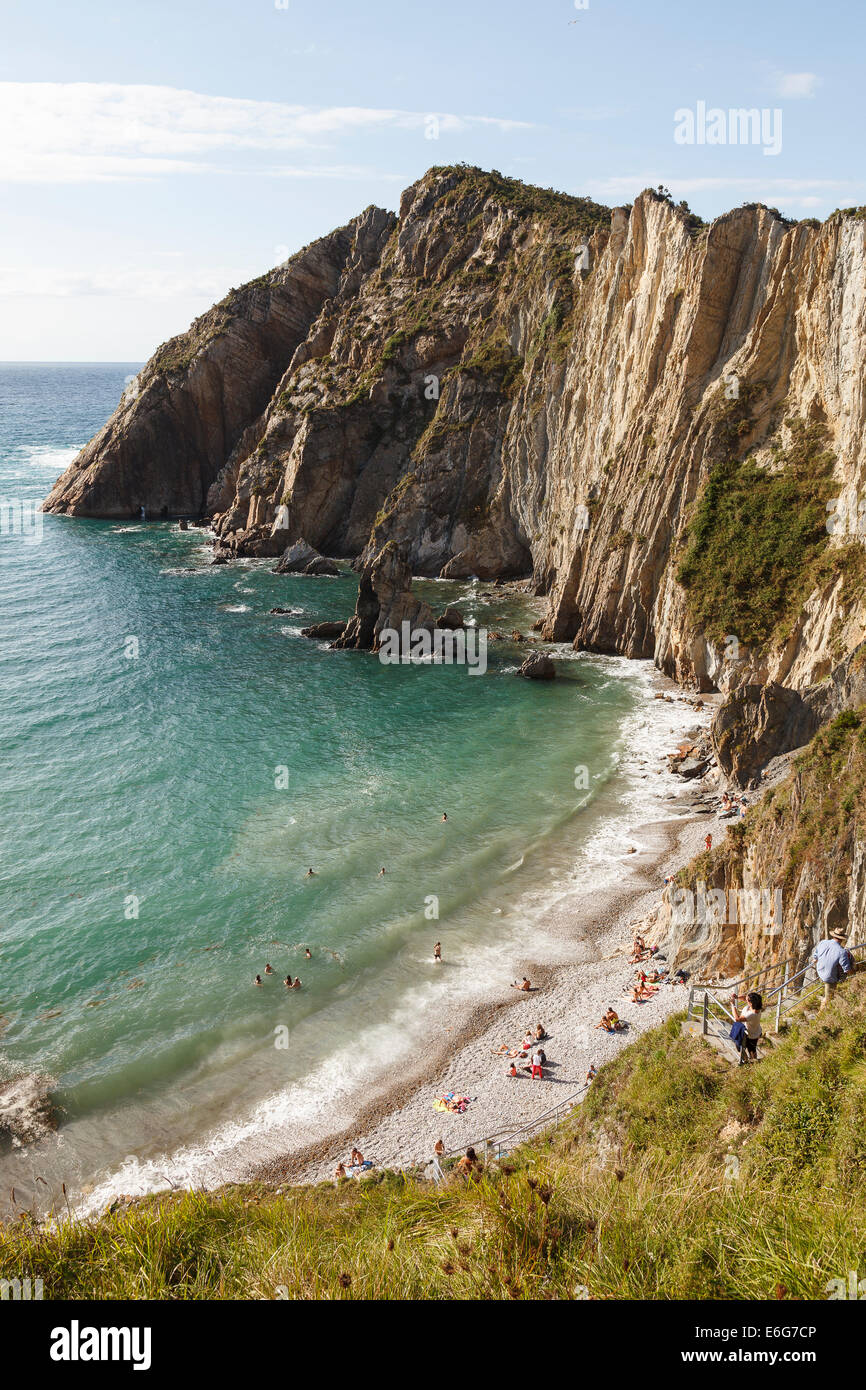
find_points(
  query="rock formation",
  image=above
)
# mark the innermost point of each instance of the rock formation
(671, 444)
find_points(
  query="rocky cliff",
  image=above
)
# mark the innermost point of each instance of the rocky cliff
(649, 415)
(660, 422)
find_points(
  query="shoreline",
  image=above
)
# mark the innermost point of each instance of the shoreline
(398, 1126)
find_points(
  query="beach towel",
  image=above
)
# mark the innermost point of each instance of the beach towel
(737, 1033)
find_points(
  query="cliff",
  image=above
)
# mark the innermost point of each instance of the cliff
(660, 422)
(648, 415)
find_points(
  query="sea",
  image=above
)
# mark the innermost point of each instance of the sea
(173, 759)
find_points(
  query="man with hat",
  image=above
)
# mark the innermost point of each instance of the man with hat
(832, 961)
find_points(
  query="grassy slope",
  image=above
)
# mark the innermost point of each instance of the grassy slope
(679, 1177)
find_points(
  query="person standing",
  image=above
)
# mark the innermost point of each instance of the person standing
(751, 1021)
(833, 961)
(437, 952)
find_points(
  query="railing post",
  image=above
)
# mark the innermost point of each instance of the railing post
(781, 997)
(704, 1027)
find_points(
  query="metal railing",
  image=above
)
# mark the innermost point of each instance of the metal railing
(780, 983)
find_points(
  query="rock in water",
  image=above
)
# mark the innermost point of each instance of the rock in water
(327, 632)
(451, 618)
(385, 600)
(296, 558)
(538, 667)
(321, 565)
(26, 1111)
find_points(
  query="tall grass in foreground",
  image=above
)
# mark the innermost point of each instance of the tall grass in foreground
(679, 1177)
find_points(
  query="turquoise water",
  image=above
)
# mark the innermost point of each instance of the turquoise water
(153, 860)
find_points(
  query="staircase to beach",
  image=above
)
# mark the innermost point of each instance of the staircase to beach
(785, 987)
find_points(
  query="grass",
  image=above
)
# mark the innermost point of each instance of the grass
(757, 544)
(679, 1177)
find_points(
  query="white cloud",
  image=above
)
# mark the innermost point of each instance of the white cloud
(797, 84)
(131, 283)
(80, 131)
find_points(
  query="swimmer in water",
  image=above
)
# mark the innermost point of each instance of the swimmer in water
(437, 951)
(308, 953)
(297, 984)
(288, 982)
(259, 980)
(444, 815)
(309, 874)
(269, 970)
(381, 873)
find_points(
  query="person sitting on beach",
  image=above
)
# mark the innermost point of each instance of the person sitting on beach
(591, 1074)
(512, 1070)
(439, 1149)
(357, 1159)
(610, 1022)
(269, 970)
(524, 986)
(339, 1171)
(540, 1034)
(258, 979)
(468, 1166)
(528, 1040)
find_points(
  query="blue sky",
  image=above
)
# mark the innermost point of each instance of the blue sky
(154, 154)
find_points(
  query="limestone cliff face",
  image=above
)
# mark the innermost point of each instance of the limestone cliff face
(506, 381)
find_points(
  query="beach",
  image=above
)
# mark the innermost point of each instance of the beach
(399, 1127)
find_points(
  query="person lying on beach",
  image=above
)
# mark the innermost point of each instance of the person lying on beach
(524, 986)
(641, 993)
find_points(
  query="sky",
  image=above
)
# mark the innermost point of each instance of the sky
(155, 154)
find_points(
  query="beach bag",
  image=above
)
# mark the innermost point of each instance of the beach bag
(737, 1033)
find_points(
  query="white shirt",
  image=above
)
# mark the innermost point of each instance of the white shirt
(752, 1019)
